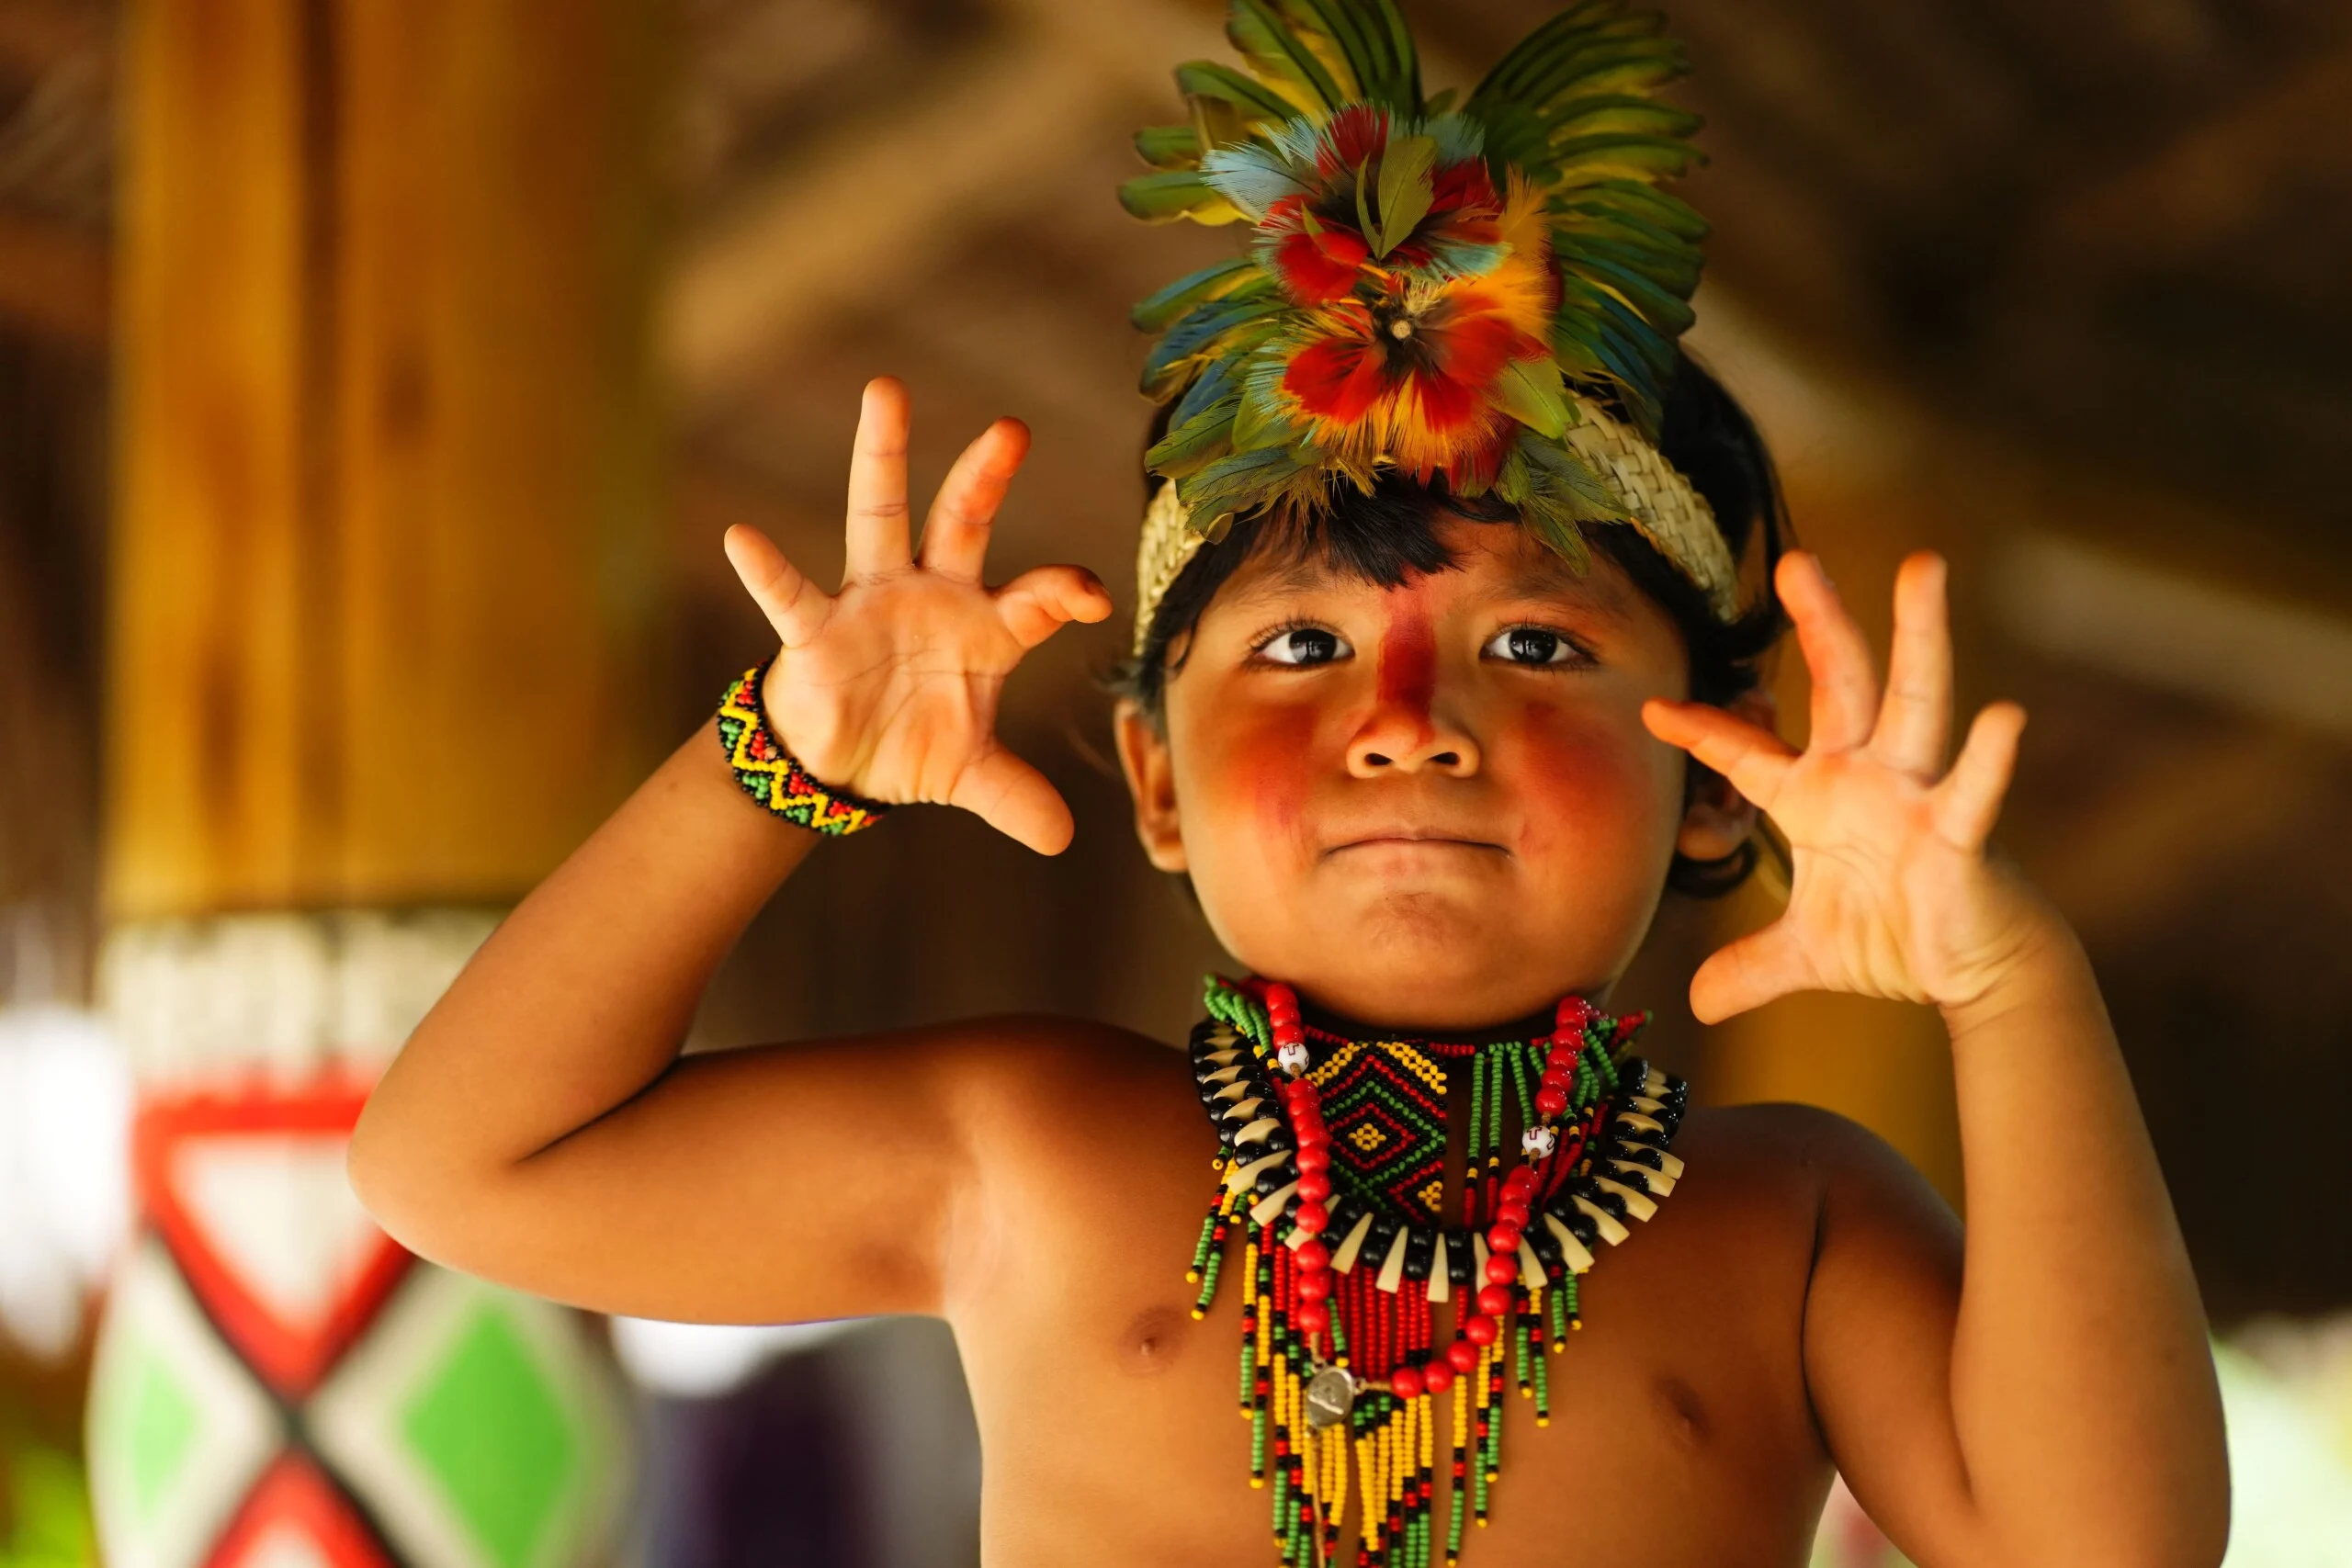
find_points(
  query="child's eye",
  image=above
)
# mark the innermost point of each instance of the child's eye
(1303, 646)
(1532, 645)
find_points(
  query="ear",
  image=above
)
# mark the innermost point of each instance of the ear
(1151, 779)
(1718, 818)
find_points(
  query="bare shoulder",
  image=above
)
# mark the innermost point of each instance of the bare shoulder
(1806, 1164)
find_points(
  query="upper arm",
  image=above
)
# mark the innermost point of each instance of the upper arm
(1881, 1304)
(775, 1183)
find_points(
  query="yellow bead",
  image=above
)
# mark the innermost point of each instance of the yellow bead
(1198, 1314)
(1257, 1483)
(1192, 1277)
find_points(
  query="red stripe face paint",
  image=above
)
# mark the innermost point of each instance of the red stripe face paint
(1408, 657)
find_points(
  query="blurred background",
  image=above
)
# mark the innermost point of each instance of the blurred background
(376, 383)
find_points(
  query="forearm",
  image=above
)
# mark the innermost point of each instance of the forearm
(583, 995)
(2083, 1393)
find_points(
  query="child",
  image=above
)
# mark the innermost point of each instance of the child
(1441, 586)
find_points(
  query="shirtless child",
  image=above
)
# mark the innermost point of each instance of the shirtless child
(1431, 779)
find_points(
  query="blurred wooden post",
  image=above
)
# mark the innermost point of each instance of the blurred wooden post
(383, 570)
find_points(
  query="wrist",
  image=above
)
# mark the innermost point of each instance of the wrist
(772, 776)
(2042, 965)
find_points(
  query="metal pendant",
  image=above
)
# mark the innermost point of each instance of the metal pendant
(1330, 1394)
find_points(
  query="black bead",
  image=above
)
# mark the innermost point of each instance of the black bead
(1636, 1154)
(1421, 1250)
(1632, 1071)
(1546, 1246)
(1580, 1224)
(1344, 1212)
(1461, 1260)
(1274, 1178)
(1609, 1202)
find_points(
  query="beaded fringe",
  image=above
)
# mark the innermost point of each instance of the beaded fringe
(1608, 1163)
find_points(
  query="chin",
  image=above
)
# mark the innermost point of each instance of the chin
(1424, 960)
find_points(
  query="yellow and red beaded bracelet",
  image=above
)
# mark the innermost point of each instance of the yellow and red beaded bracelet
(774, 776)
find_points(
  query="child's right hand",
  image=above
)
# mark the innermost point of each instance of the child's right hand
(888, 688)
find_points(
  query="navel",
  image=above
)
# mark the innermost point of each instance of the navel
(1682, 1411)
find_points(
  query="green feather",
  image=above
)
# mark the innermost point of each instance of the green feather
(1532, 392)
(1169, 146)
(1280, 56)
(1212, 282)
(1166, 194)
(1406, 190)
(1222, 84)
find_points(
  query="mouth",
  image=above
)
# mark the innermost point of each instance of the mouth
(1412, 840)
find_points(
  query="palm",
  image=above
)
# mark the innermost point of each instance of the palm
(888, 688)
(1892, 893)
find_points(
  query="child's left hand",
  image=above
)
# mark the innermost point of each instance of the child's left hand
(1892, 893)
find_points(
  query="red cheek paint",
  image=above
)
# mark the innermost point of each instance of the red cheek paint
(1409, 659)
(1277, 756)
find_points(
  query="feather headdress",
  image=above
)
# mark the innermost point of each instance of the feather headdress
(1441, 291)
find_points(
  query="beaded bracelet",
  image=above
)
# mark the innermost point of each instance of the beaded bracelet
(774, 776)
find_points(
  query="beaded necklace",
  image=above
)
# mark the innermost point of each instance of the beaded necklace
(1331, 1158)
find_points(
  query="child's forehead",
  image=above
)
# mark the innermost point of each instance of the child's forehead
(1491, 562)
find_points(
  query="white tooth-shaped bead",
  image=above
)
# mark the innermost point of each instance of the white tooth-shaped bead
(1225, 1075)
(1297, 1238)
(1574, 1251)
(1440, 1283)
(1636, 1120)
(1222, 1058)
(1660, 1183)
(1239, 1178)
(1653, 1082)
(1392, 1268)
(1531, 1268)
(1672, 1165)
(1221, 1035)
(1258, 1132)
(1645, 1105)
(1345, 1259)
(1241, 1110)
(1641, 1205)
(1477, 1260)
(1267, 1209)
(1231, 1091)
(1612, 1229)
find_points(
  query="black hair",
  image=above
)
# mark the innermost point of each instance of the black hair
(1389, 534)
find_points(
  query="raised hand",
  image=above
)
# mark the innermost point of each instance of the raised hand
(1894, 895)
(889, 687)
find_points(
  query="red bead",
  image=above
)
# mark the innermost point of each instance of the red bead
(1518, 1185)
(1558, 1075)
(1312, 1256)
(1551, 1101)
(1311, 1218)
(1314, 1285)
(1405, 1383)
(1494, 1300)
(1311, 1318)
(1438, 1376)
(1464, 1355)
(1511, 1212)
(1314, 1158)
(1479, 1330)
(1314, 1189)
(1503, 1241)
(1502, 1270)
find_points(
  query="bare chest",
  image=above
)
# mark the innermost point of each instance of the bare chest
(1114, 1424)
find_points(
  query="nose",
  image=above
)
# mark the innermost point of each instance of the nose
(1406, 737)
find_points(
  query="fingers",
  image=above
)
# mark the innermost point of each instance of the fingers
(1845, 692)
(1750, 971)
(878, 482)
(794, 606)
(1753, 758)
(1968, 800)
(1040, 601)
(1916, 720)
(1014, 798)
(956, 534)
